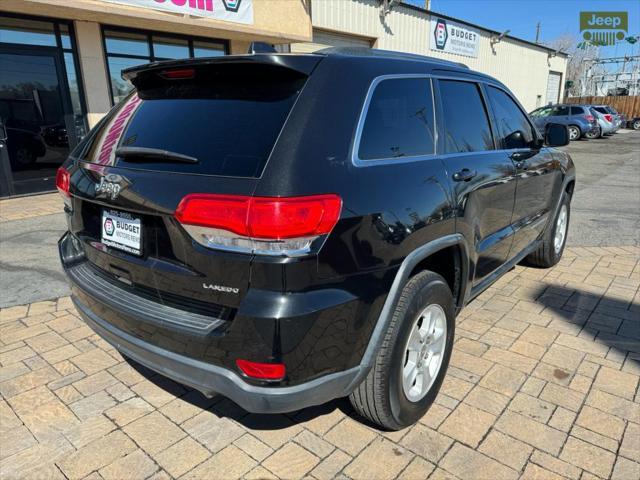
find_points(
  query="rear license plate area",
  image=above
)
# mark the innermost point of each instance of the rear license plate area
(122, 231)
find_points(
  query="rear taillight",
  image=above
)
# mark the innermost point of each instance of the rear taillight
(608, 118)
(63, 181)
(263, 225)
(262, 371)
(589, 118)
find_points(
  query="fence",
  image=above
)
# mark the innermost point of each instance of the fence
(630, 106)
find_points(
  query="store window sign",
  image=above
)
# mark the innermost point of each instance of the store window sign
(238, 11)
(452, 37)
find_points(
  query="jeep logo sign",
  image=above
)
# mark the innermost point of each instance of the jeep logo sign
(603, 28)
(453, 37)
(238, 11)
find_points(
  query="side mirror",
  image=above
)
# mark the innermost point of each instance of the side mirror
(556, 135)
(515, 140)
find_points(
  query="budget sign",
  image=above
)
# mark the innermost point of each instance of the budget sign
(452, 37)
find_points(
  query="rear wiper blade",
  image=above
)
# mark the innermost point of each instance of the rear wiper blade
(143, 153)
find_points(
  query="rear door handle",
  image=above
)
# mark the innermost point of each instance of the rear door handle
(464, 175)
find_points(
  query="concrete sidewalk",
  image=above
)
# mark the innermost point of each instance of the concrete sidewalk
(30, 269)
(543, 383)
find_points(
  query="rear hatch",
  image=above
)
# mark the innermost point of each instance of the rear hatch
(203, 126)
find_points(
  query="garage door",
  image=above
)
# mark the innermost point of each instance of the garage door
(553, 87)
(322, 39)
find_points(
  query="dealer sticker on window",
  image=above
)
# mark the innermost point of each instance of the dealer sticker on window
(122, 231)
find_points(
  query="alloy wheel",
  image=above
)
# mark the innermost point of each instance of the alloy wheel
(574, 133)
(424, 352)
(561, 229)
(593, 134)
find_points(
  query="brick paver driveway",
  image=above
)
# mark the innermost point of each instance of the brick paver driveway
(543, 383)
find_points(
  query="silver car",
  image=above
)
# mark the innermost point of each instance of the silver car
(610, 117)
(605, 122)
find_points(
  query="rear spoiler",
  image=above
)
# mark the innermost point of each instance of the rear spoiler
(303, 64)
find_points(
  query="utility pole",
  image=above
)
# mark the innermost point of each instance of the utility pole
(537, 32)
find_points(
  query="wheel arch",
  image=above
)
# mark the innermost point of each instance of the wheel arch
(416, 261)
(448, 263)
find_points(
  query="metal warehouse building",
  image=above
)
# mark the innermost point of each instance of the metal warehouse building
(61, 60)
(535, 73)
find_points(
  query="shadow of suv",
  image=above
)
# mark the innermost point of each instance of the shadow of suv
(288, 229)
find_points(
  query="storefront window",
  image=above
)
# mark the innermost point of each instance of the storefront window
(207, 49)
(170, 48)
(41, 102)
(125, 49)
(120, 87)
(126, 43)
(27, 32)
(65, 38)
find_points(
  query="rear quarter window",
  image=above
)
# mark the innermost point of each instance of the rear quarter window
(399, 121)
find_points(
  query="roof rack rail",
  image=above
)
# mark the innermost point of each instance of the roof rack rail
(374, 52)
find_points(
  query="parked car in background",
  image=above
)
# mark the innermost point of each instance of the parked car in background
(619, 117)
(608, 115)
(264, 249)
(605, 121)
(578, 119)
(634, 123)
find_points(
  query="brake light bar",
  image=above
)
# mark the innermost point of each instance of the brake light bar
(262, 371)
(178, 74)
(267, 225)
(63, 182)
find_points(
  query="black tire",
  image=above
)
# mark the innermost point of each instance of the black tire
(546, 255)
(636, 124)
(380, 398)
(593, 134)
(574, 131)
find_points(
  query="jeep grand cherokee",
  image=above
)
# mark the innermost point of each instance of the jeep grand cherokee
(284, 229)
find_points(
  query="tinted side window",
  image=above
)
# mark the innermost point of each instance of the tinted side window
(560, 111)
(509, 119)
(577, 111)
(541, 112)
(399, 121)
(466, 126)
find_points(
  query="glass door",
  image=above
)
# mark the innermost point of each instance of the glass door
(36, 113)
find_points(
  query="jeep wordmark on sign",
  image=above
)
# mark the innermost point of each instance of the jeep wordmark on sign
(291, 229)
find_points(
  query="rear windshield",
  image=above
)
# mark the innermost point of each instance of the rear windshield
(228, 118)
(601, 109)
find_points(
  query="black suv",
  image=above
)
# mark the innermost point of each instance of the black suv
(289, 229)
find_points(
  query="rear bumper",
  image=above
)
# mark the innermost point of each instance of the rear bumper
(607, 128)
(200, 350)
(211, 379)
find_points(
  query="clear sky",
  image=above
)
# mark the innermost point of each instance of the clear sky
(557, 17)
